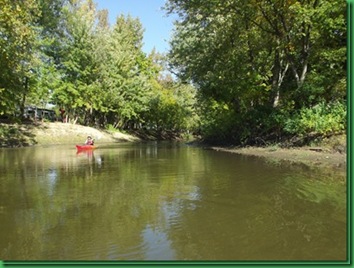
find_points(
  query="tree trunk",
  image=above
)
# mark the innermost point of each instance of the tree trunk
(278, 75)
(23, 102)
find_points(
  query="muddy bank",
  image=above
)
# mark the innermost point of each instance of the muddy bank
(312, 157)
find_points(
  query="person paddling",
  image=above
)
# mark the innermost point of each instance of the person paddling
(89, 140)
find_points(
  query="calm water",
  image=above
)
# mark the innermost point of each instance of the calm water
(165, 201)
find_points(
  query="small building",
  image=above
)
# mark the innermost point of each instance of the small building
(32, 112)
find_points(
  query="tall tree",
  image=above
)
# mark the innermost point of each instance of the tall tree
(79, 89)
(124, 72)
(18, 34)
(255, 61)
(49, 52)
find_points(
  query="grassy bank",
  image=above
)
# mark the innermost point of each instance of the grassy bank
(18, 135)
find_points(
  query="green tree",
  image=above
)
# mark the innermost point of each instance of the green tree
(18, 32)
(256, 63)
(48, 52)
(124, 78)
(79, 89)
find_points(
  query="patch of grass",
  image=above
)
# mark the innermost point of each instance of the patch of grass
(110, 128)
(273, 148)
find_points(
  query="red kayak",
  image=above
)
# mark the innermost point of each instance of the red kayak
(86, 147)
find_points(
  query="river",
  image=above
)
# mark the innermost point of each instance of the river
(165, 201)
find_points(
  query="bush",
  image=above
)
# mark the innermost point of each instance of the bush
(322, 119)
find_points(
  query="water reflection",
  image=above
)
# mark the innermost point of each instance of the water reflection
(92, 156)
(164, 202)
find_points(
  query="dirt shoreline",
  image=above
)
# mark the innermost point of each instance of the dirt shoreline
(326, 155)
(312, 157)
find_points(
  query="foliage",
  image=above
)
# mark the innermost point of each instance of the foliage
(172, 108)
(257, 64)
(324, 119)
(66, 53)
(18, 32)
(244, 71)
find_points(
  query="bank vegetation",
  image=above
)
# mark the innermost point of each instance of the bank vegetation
(238, 72)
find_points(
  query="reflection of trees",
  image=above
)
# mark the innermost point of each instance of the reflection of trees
(249, 211)
(76, 207)
(208, 204)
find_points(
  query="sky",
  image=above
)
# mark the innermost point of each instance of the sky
(158, 26)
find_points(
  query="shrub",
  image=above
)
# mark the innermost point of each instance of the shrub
(322, 119)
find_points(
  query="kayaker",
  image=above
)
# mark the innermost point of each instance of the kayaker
(89, 140)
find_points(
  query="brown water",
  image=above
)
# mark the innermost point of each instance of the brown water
(165, 201)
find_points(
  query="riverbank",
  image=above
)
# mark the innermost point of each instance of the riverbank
(329, 154)
(19, 135)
